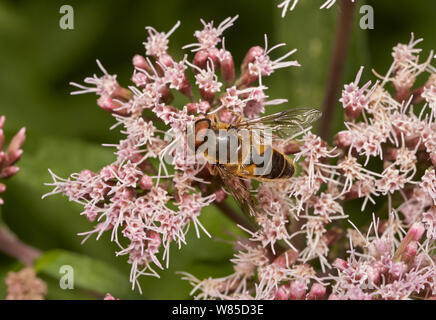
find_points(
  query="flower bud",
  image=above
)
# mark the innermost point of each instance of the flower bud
(433, 158)
(246, 79)
(200, 107)
(397, 270)
(13, 156)
(220, 195)
(291, 148)
(416, 231)
(107, 103)
(122, 94)
(2, 187)
(141, 63)
(317, 292)
(166, 95)
(282, 292)
(410, 251)
(2, 158)
(286, 259)
(343, 139)
(203, 56)
(146, 182)
(251, 55)
(200, 59)
(17, 141)
(298, 290)
(227, 68)
(225, 115)
(166, 60)
(340, 264)
(352, 112)
(207, 95)
(2, 121)
(9, 172)
(2, 139)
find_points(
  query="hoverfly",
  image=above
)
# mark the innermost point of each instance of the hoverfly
(274, 165)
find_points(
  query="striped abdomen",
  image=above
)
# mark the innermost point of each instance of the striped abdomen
(275, 166)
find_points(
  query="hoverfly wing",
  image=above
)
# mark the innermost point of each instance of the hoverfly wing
(284, 124)
(238, 190)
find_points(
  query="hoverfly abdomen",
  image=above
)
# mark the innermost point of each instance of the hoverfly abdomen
(274, 166)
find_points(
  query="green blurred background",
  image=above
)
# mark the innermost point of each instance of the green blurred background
(38, 60)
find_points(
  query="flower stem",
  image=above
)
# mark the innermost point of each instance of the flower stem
(228, 211)
(341, 43)
(14, 247)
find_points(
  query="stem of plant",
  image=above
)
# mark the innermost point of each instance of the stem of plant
(14, 247)
(341, 43)
(228, 211)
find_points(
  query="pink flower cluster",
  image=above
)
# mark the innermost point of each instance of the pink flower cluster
(300, 222)
(153, 192)
(10, 156)
(25, 285)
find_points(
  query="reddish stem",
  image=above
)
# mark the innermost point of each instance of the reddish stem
(341, 43)
(14, 247)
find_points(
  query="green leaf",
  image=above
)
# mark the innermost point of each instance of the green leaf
(89, 273)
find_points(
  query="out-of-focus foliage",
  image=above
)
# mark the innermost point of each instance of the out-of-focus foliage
(38, 59)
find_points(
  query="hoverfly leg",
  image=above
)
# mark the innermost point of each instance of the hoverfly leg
(213, 170)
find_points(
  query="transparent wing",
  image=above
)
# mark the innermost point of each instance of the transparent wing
(283, 124)
(238, 190)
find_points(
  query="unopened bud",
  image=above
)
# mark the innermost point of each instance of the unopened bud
(410, 251)
(200, 107)
(343, 139)
(2, 139)
(166, 95)
(107, 103)
(225, 115)
(398, 269)
(220, 195)
(416, 231)
(433, 158)
(13, 156)
(251, 55)
(141, 63)
(286, 259)
(340, 264)
(291, 148)
(282, 293)
(9, 172)
(298, 290)
(200, 59)
(166, 60)
(207, 95)
(227, 68)
(2, 187)
(317, 292)
(352, 112)
(2, 121)
(146, 182)
(17, 141)
(122, 94)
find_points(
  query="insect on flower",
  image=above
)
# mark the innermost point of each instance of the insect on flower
(243, 149)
